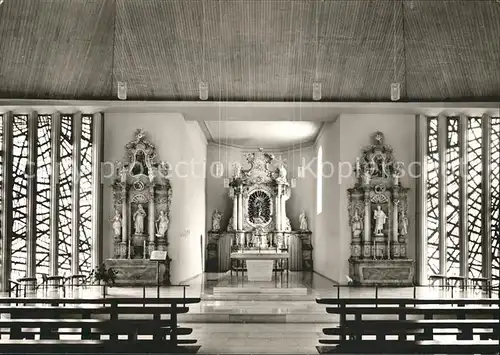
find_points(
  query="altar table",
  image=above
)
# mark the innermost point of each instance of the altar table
(260, 265)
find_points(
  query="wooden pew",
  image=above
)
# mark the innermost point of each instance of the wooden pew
(52, 314)
(463, 318)
(14, 347)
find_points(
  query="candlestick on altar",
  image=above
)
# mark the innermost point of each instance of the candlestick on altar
(144, 251)
(129, 247)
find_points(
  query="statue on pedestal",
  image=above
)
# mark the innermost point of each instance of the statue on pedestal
(281, 174)
(162, 225)
(303, 221)
(356, 224)
(216, 217)
(117, 224)
(139, 220)
(380, 218)
(404, 225)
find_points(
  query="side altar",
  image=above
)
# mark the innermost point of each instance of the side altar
(141, 199)
(259, 224)
(378, 217)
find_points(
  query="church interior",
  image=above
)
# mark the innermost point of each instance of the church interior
(249, 176)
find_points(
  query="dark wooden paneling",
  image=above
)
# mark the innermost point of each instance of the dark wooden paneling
(56, 48)
(453, 49)
(250, 49)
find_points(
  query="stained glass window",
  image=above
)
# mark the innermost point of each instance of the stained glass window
(474, 195)
(473, 192)
(44, 165)
(85, 223)
(495, 199)
(432, 197)
(19, 195)
(452, 197)
(319, 182)
(65, 188)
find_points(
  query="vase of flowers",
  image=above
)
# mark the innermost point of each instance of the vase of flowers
(104, 276)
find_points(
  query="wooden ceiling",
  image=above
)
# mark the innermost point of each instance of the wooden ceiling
(261, 50)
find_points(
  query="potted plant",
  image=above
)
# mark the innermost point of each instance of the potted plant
(101, 275)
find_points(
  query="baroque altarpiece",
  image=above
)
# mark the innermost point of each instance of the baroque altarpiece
(141, 210)
(259, 220)
(378, 219)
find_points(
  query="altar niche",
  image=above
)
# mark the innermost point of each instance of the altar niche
(378, 218)
(259, 222)
(141, 202)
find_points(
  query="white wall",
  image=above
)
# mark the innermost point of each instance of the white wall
(342, 141)
(178, 142)
(326, 238)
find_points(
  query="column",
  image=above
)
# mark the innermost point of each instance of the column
(277, 208)
(442, 143)
(367, 220)
(235, 212)
(75, 193)
(395, 214)
(367, 247)
(395, 220)
(486, 126)
(124, 214)
(54, 192)
(463, 219)
(31, 196)
(421, 203)
(6, 224)
(97, 161)
(283, 210)
(151, 215)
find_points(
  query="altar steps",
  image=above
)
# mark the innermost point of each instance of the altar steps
(256, 311)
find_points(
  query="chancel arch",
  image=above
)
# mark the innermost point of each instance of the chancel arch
(259, 220)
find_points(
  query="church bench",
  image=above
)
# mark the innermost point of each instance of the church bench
(485, 313)
(92, 328)
(414, 347)
(92, 347)
(406, 301)
(113, 308)
(433, 278)
(424, 329)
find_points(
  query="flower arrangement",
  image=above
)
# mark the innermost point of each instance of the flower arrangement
(107, 276)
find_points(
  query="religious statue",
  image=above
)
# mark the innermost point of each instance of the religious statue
(258, 207)
(236, 170)
(404, 225)
(122, 171)
(366, 177)
(303, 221)
(380, 218)
(216, 217)
(151, 176)
(162, 225)
(117, 223)
(282, 173)
(356, 224)
(139, 219)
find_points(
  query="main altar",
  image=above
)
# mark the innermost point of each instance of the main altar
(259, 231)
(378, 217)
(141, 201)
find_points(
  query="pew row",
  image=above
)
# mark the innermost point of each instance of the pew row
(473, 322)
(102, 323)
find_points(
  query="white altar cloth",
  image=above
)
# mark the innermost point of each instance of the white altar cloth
(260, 270)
